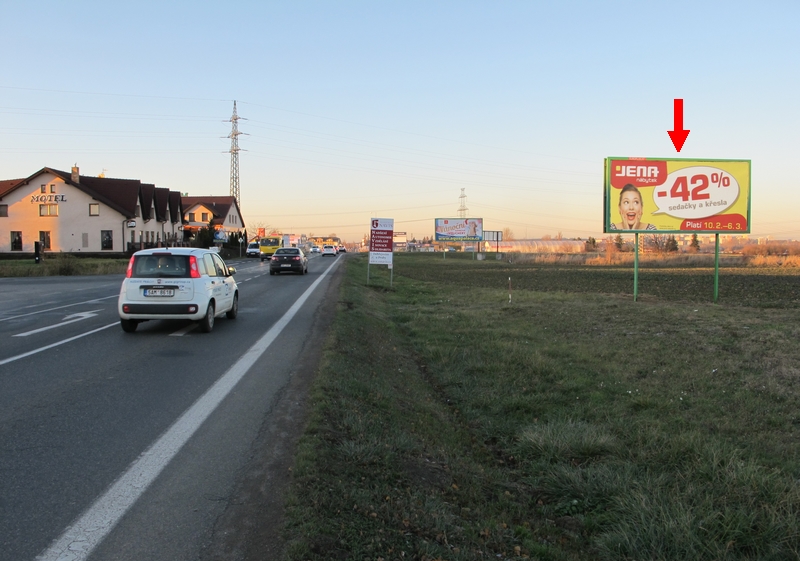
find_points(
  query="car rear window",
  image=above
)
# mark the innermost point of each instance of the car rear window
(160, 266)
(289, 251)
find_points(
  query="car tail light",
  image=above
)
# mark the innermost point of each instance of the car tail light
(274, 258)
(295, 259)
(129, 272)
(193, 272)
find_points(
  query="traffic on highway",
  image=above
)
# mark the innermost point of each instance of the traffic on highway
(123, 445)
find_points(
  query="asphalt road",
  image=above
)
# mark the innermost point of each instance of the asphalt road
(135, 446)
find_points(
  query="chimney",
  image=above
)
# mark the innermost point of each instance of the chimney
(76, 178)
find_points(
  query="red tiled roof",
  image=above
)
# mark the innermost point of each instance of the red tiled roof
(7, 185)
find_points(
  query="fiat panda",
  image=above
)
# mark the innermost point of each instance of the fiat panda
(177, 283)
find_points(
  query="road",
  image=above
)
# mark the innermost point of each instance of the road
(134, 446)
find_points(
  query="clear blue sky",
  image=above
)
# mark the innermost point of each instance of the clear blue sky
(373, 108)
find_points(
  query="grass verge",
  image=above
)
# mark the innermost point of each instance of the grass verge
(570, 423)
(61, 264)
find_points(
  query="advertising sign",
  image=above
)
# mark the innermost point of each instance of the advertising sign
(380, 241)
(675, 195)
(459, 229)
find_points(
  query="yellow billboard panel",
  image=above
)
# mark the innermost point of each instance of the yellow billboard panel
(676, 195)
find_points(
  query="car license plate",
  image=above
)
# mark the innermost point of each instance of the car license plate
(159, 292)
(286, 265)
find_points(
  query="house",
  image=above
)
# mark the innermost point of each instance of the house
(73, 213)
(221, 213)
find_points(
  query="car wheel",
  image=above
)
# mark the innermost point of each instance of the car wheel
(128, 325)
(207, 323)
(234, 311)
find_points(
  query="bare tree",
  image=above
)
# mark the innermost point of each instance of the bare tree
(656, 242)
(508, 234)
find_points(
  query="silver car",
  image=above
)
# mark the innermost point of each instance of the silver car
(177, 283)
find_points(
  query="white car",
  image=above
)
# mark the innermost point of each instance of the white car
(314, 249)
(253, 250)
(328, 250)
(177, 283)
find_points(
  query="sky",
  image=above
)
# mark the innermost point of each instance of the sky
(351, 110)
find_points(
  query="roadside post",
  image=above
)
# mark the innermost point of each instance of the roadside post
(241, 239)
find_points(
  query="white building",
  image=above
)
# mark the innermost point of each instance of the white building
(221, 212)
(73, 213)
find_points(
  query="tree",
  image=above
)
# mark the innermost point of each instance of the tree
(695, 245)
(672, 244)
(618, 242)
(508, 234)
(591, 244)
(205, 236)
(657, 242)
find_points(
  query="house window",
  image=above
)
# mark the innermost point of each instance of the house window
(3, 211)
(52, 188)
(106, 239)
(191, 217)
(48, 210)
(205, 217)
(16, 241)
(94, 209)
(44, 240)
(43, 189)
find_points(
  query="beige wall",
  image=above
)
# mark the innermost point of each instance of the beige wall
(73, 230)
(68, 228)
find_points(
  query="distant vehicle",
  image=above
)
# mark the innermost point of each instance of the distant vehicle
(314, 249)
(328, 250)
(288, 259)
(253, 249)
(177, 283)
(268, 246)
(342, 249)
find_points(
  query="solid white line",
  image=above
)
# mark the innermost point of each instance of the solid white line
(40, 349)
(60, 307)
(90, 529)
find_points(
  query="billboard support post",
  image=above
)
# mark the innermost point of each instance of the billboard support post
(716, 268)
(636, 266)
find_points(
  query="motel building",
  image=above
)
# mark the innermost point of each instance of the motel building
(73, 213)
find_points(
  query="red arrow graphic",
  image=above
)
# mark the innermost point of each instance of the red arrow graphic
(678, 135)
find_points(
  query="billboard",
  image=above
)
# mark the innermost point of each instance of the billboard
(675, 195)
(459, 229)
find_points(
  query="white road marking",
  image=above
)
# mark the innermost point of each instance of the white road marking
(56, 344)
(72, 318)
(93, 301)
(185, 330)
(90, 529)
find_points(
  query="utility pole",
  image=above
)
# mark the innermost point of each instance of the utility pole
(234, 152)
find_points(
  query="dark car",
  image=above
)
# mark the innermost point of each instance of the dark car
(288, 259)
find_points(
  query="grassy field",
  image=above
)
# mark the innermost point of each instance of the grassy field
(569, 423)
